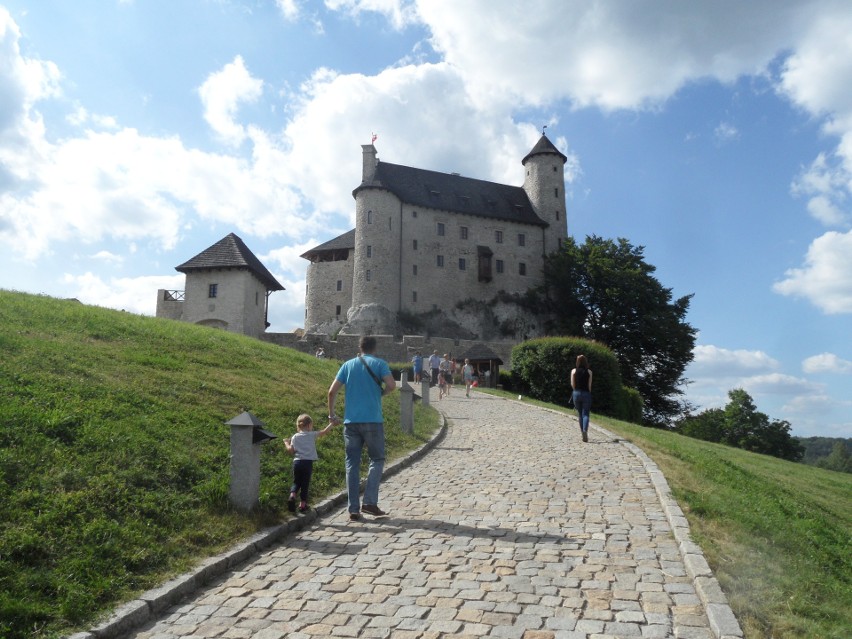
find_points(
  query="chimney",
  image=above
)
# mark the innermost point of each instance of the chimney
(370, 161)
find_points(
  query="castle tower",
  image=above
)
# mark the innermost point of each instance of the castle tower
(544, 183)
(376, 278)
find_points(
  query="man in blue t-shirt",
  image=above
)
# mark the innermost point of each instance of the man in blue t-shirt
(363, 423)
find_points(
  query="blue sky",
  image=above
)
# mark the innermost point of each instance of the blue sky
(718, 135)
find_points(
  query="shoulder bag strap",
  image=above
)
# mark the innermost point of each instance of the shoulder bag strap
(370, 370)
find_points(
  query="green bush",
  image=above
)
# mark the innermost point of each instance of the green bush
(631, 405)
(544, 369)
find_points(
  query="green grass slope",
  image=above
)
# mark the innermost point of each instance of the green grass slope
(114, 452)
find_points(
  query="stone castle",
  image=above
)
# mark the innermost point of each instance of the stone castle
(426, 243)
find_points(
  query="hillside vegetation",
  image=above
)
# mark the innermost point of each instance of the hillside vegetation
(114, 462)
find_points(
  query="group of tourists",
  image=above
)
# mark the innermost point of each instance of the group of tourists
(365, 380)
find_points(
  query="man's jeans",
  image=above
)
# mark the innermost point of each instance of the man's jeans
(355, 437)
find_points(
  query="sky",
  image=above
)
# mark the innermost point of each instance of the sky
(717, 135)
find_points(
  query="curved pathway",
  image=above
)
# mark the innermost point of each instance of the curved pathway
(509, 527)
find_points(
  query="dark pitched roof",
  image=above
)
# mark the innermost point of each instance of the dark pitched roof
(339, 243)
(230, 252)
(452, 192)
(481, 352)
(544, 145)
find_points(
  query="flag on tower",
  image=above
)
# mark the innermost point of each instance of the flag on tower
(374, 137)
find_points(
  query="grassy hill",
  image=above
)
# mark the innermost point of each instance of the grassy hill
(114, 473)
(114, 463)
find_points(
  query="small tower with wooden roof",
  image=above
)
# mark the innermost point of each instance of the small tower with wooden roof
(226, 287)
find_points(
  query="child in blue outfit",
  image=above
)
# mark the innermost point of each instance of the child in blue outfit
(303, 447)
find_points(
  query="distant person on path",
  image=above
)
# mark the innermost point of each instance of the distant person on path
(434, 362)
(363, 423)
(303, 447)
(581, 382)
(467, 375)
(417, 362)
(446, 371)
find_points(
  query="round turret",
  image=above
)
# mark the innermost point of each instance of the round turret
(544, 183)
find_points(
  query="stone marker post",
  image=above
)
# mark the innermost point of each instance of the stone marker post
(246, 438)
(406, 404)
(424, 391)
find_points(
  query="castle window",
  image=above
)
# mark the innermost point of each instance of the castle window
(484, 254)
(337, 310)
(557, 214)
(440, 228)
(522, 239)
(440, 261)
(414, 269)
(213, 290)
(522, 268)
(463, 232)
(390, 224)
(499, 266)
(554, 169)
(413, 296)
(339, 285)
(414, 244)
(255, 298)
(369, 251)
(369, 275)
(369, 217)
(462, 264)
(498, 237)
(414, 214)
(556, 192)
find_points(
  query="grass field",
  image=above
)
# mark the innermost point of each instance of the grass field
(114, 473)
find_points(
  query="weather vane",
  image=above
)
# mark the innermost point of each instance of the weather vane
(543, 128)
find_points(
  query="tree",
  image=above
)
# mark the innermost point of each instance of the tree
(605, 291)
(741, 425)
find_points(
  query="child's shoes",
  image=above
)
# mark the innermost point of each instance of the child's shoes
(291, 504)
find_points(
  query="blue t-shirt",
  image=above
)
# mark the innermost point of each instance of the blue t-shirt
(418, 363)
(363, 395)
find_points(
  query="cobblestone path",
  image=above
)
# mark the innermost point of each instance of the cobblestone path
(510, 527)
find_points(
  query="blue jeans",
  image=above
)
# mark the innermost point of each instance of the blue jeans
(583, 404)
(355, 437)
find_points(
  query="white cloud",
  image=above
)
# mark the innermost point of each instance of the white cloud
(826, 363)
(725, 132)
(221, 95)
(825, 279)
(289, 9)
(826, 183)
(132, 294)
(610, 55)
(778, 384)
(398, 12)
(716, 362)
(107, 257)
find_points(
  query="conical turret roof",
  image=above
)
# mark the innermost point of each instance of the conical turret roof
(231, 252)
(544, 146)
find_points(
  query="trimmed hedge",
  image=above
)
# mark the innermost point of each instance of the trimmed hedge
(543, 368)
